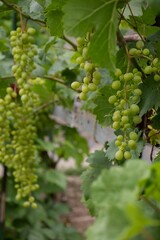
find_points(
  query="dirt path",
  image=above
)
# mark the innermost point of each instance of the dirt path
(78, 216)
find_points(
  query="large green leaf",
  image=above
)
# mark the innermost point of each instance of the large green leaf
(54, 16)
(82, 16)
(115, 196)
(150, 95)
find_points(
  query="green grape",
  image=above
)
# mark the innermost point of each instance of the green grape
(125, 119)
(116, 125)
(140, 44)
(127, 155)
(86, 80)
(118, 72)
(85, 88)
(116, 85)
(31, 31)
(83, 96)
(75, 85)
(128, 76)
(79, 60)
(137, 91)
(92, 86)
(137, 79)
(137, 119)
(88, 67)
(118, 143)
(120, 138)
(133, 136)
(132, 144)
(156, 77)
(146, 52)
(155, 62)
(80, 41)
(112, 99)
(96, 81)
(97, 75)
(148, 70)
(133, 51)
(134, 109)
(119, 155)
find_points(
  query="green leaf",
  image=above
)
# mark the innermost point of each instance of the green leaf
(98, 161)
(103, 108)
(100, 16)
(150, 95)
(54, 16)
(111, 150)
(114, 194)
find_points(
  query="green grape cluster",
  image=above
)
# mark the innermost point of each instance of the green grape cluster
(152, 65)
(126, 110)
(17, 121)
(93, 76)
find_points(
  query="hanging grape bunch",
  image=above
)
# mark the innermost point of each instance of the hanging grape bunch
(126, 98)
(17, 123)
(93, 76)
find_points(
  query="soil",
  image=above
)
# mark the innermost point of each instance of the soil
(79, 216)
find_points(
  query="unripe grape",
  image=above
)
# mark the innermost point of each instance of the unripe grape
(97, 75)
(148, 70)
(133, 136)
(132, 144)
(133, 51)
(88, 67)
(146, 51)
(137, 119)
(26, 204)
(85, 52)
(125, 119)
(96, 81)
(128, 76)
(127, 155)
(137, 91)
(86, 80)
(120, 137)
(31, 31)
(85, 88)
(137, 79)
(118, 72)
(34, 205)
(80, 41)
(118, 143)
(119, 155)
(116, 125)
(116, 85)
(140, 44)
(75, 85)
(24, 98)
(155, 62)
(79, 60)
(83, 96)
(134, 108)
(156, 77)
(112, 99)
(92, 86)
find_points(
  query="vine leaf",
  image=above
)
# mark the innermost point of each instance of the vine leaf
(150, 95)
(82, 16)
(103, 108)
(54, 16)
(114, 194)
